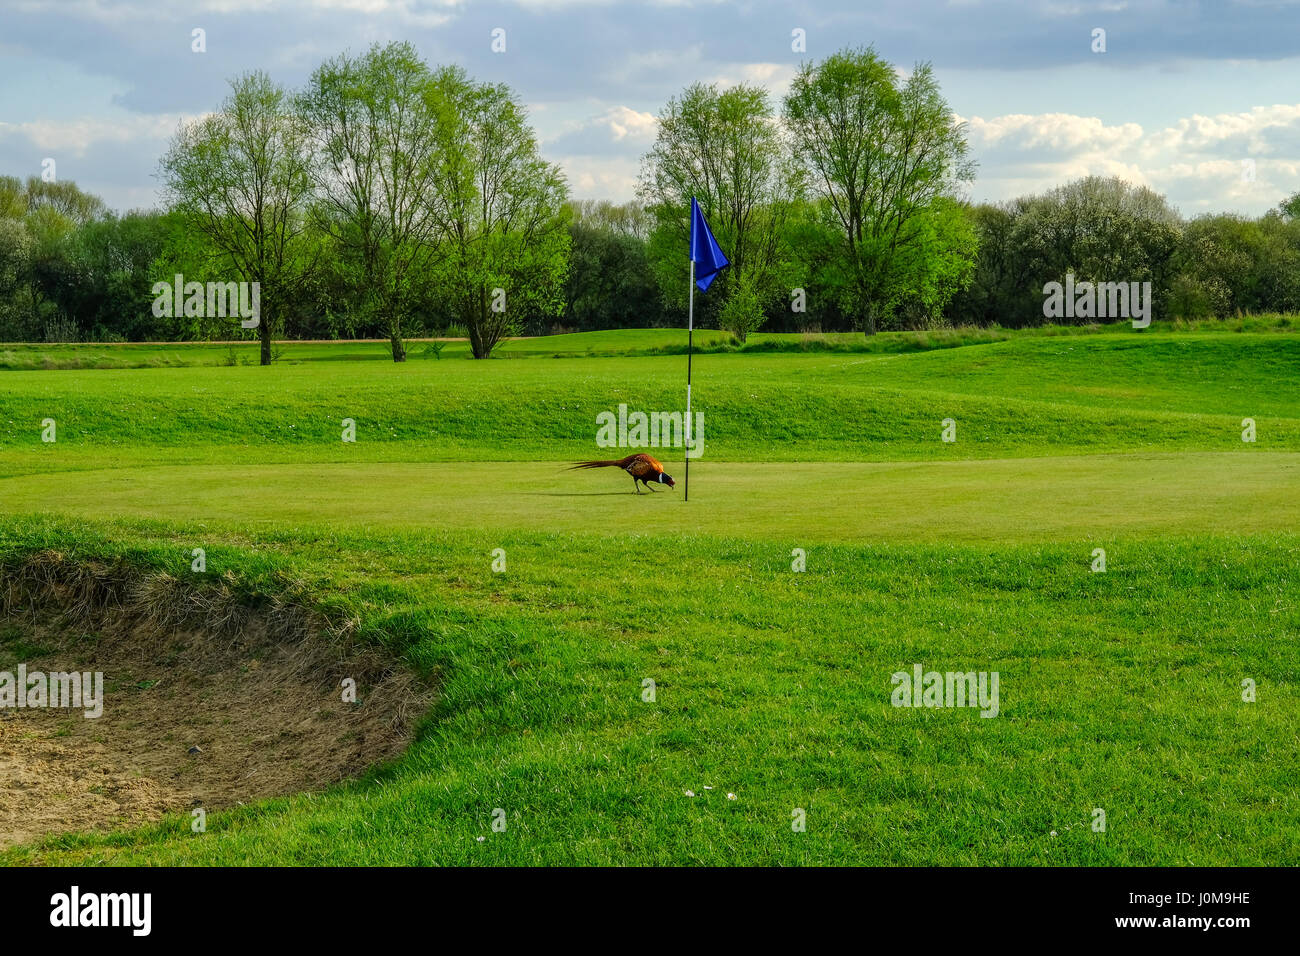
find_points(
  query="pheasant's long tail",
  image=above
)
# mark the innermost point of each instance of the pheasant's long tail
(596, 464)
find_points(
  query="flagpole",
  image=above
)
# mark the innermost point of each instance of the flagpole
(690, 337)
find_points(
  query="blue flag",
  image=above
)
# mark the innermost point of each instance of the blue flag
(705, 252)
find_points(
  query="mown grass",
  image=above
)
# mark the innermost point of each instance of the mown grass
(615, 343)
(1119, 690)
(1092, 497)
(1029, 397)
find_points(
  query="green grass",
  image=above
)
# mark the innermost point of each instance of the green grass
(1119, 690)
(1000, 501)
(616, 343)
(1029, 397)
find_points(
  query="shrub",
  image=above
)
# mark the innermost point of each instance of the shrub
(742, 313)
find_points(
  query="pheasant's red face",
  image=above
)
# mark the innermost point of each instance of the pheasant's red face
(668, 480)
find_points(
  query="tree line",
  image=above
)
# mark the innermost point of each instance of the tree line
(390, 199)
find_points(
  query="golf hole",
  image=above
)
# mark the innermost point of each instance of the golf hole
(207, 702)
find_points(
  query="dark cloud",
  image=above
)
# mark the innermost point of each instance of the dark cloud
(576, 49)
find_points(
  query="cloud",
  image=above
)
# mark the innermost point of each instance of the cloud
(1199, 162)
(627, 123)
(775, 77)
(1043, 107)
(619, 129)
(114, 159)
(1263, 129)
(79, 136)
(1057, 132)
(613, 178)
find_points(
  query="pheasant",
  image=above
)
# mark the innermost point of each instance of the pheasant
(643, 469)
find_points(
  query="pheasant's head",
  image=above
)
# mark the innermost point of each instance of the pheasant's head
(667, 479)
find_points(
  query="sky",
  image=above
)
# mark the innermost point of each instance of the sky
(1198, 100)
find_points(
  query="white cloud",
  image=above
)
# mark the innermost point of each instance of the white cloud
(1196, 162)
(1057, 131)
(613, 178)
(627, 123)
(78, 136)
(776, 77)
(1243, 131)
(618, 129)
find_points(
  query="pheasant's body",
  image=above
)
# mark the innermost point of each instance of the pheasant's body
(643, 469)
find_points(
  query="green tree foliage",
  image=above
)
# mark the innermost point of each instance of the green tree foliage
(64, 199)
(112, 260)
(725, 148)
(500, 212)
(1101, 229)
(1229, 264)
(1289, 208)
(1109, 230)
(1001, 283)
(15, 281)
(885, 156)
(241, 176)
(37, 256)
(374, 121)
(610, 283)
(742, 313)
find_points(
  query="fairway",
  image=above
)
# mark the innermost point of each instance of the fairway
(832, 540)
(1076, 498)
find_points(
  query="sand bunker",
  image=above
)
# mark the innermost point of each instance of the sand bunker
(207, 702)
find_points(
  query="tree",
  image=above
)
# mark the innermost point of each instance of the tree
(630, 220)
(610, 283)
(1101, 230)
(64, 198)
(742, 313)
(15, 273)
(43, 222)
(1289, 208)
(374, 121)
(1228, 263)
(1098, 229)
(724, 148)
(882, 154)
(940, 258)
(1001, 290)
(115, 258)
(13, 198)
(241, 176)
(499, 206)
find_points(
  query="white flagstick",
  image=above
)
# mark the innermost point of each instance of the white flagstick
(690, 335)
